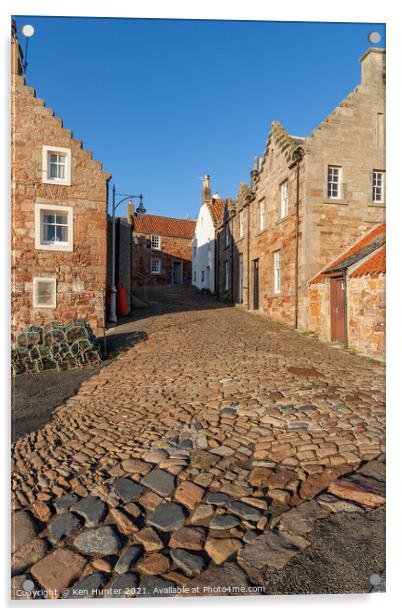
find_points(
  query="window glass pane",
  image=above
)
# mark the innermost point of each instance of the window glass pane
(48, 233)
(44, 292)
(49, 218)
(61, 234)
(61, 219)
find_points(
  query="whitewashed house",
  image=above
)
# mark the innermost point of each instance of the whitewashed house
(203, 260)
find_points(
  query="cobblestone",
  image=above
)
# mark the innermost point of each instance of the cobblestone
(261, 432)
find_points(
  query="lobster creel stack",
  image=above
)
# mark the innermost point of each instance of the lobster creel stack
(55, 347)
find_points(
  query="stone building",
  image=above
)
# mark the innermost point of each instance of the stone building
(162, 250)
(309, 199)
(347, 298)
(205, 256)
(59, 208)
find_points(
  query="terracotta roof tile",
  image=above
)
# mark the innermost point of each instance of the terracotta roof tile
(365, 241)
(162, 225)
(217, 208)
(374, 265)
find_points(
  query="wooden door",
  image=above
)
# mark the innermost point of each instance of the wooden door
(177, 273)
(256, 285)
(337, 305)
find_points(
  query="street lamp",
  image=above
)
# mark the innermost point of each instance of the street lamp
(139, 213)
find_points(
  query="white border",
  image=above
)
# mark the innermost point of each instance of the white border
(308, 10)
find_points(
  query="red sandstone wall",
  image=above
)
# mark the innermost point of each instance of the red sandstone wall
(172, 249)
(80, 274)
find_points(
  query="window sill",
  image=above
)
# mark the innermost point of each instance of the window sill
(261, 231)
(284, 219)
(54, 247)
(376, 204)
(335, 202)
(56, 182)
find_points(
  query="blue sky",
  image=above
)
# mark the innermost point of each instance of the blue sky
(161, 102)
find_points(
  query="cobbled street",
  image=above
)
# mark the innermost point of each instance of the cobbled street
(202, 458)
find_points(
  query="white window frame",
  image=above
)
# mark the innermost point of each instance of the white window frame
(277, 271)
(284, 199)
(53, 149)
(40, 243)
(35, 293)
(155, 242)
(262, 210)
(378, 189)
(332, 184)
(155, 260)
(226, 275)
(241, 223)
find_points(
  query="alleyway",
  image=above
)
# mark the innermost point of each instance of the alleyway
(232, 433)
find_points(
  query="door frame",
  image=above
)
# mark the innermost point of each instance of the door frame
(256, 287)
(240, 279)
(181, 271)
(336, 279)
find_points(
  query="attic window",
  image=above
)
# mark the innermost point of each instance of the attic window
(156, 242)
(56, 165)
(334, 182)
(378, 186)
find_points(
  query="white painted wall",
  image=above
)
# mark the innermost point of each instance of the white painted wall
(204, 250)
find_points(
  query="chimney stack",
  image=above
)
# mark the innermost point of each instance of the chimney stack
(130, 212)
(206, 190)
(373, 67)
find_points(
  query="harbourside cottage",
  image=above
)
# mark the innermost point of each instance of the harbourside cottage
(309, 199)
(161, 250)
(59, 210)
(204, 260)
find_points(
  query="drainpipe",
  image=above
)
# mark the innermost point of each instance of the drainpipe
(217, 265)
(248, 255)
(297, 156)
(345, 308)
(231, 261)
